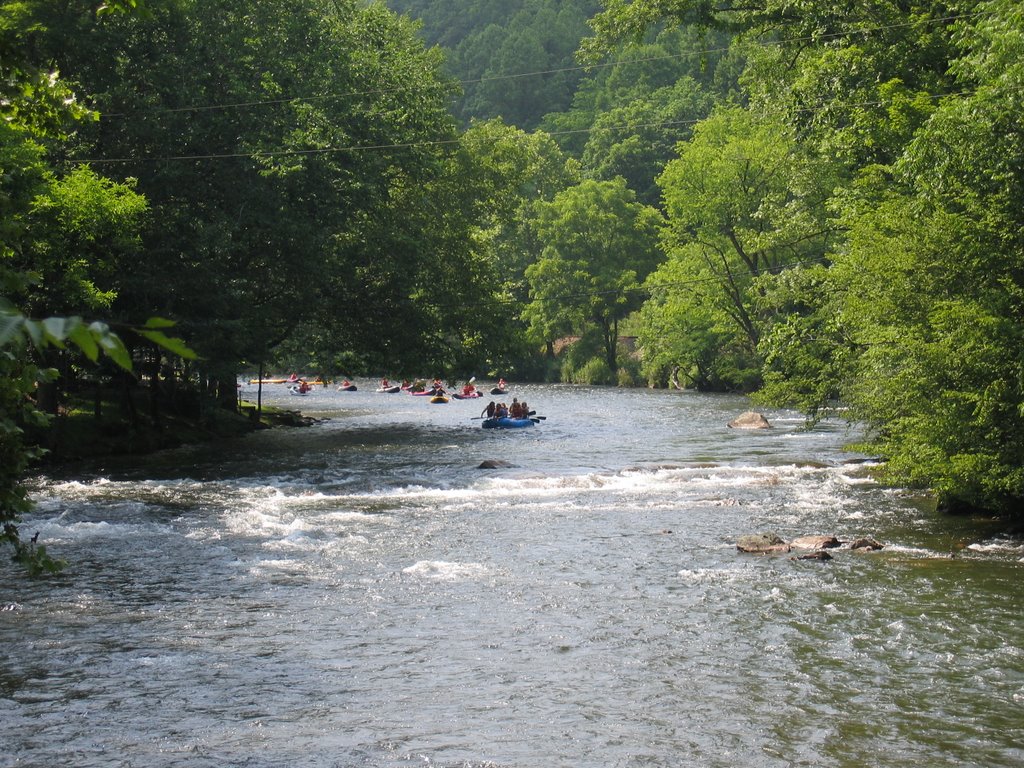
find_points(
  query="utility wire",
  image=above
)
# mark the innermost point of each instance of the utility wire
(537, 73)
(267, 154)
(643, 290)
(454, 141)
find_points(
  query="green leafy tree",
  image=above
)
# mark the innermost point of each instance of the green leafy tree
(514, 57)
(687, 341)
(295, 160)
(931, 290)
(503, 172)
(742, 205)
(598, 244)
(637, 140)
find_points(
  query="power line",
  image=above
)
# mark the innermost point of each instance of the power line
(536, 73)
(643, 290)
(454, 141)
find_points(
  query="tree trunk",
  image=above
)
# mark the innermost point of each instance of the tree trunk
(611, 346)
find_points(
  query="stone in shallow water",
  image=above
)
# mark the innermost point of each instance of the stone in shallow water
(750, 420)
(761, 543)
(493, 464)
(815, 542)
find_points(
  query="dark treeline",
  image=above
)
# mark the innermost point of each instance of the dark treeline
(819, 206)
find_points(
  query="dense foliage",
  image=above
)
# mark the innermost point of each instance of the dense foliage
(889, 225)
(514, 57)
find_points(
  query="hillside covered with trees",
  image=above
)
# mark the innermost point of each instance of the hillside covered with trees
(813, 204)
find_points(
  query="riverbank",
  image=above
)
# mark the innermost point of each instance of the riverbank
(77, 432)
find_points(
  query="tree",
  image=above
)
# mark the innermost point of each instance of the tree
(294, 160)
(37, 105)
(598, 244)
(742, 204)
(940, 254)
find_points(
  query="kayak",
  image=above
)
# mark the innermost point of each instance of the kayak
(349, 388)
(314, 382)
(499, 391)
(295, 390)
(507, 423)
(393, 389)
(439, 399)
(470, 396)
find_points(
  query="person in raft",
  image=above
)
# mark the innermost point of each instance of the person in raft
(502, 384)
(468, 388)
(384, 383)
(489, 410)
(515, 410)
(304, 386)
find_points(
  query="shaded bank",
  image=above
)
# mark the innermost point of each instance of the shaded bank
(81, 431)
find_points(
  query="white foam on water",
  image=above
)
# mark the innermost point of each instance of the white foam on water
(999, 546)
(55, 531)
(711, 575)
(442, 570)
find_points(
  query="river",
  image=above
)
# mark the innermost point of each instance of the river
(360, 593)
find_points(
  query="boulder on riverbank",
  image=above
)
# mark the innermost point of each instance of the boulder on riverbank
(750, 420)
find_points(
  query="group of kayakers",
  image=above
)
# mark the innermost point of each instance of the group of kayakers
(517, 410)
(435, 388)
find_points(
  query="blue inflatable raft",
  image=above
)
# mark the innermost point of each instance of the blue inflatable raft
(507, 423)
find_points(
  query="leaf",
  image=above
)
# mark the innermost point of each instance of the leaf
(114, 348)
(10, 325)
(84, 340)
(34, 330)
(57, 329)
(173, 345)
(159, 322)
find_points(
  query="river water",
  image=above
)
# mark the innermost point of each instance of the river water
(360, 593)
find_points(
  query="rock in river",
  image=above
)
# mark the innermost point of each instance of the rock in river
(493, 464)
(815, 542)
(750, 420)
(761, 543)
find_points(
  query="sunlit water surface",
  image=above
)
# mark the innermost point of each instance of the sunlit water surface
(360, 593)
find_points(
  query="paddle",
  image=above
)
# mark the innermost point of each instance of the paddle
(536, 418)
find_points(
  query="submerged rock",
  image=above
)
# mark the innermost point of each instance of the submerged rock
(761, 543)
(819, 555)
(750, 420)
(493, 464)
(865, 542)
